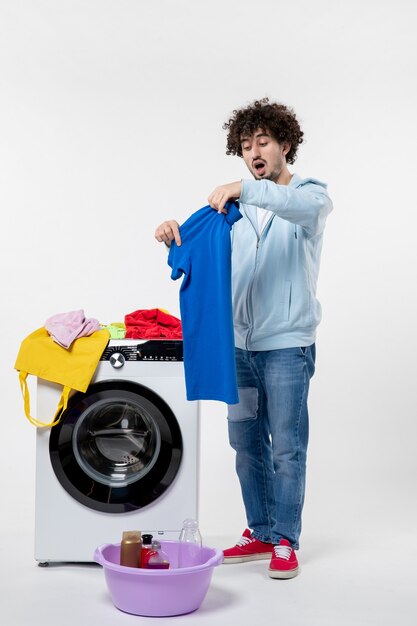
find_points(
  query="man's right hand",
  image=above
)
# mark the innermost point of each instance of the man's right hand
(168, 231)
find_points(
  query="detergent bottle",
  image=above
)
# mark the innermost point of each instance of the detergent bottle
(146, 549)
(157, 558)
(130, 548)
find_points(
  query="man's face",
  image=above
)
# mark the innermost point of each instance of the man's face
(263, 155)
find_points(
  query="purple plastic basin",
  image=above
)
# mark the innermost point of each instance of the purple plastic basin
(160, 593)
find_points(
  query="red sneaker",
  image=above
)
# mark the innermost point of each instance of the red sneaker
(248, 549)
(284, 563)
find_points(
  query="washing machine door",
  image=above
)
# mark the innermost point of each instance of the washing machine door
(117, 448)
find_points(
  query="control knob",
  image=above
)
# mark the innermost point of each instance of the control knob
(117, 360)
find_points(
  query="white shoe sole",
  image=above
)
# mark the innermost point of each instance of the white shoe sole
(244, 559)
(284, 574)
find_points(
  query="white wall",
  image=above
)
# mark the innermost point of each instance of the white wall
(110, 122)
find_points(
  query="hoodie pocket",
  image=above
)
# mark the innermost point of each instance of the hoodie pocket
(271, 302)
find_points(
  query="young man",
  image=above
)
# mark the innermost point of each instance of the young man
(275, 263)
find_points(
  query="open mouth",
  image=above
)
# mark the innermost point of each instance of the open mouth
(260, 167)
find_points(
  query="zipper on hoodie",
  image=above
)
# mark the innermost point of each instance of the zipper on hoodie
(249, 298)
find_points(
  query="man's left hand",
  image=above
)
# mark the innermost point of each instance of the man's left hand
(218, 198)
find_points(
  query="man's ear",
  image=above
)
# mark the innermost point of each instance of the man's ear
(286, 147)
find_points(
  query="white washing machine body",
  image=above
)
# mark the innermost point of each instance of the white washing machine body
(124, 457)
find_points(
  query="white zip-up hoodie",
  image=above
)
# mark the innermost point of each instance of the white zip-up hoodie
(274, 275)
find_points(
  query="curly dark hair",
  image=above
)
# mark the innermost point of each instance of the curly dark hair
(276, 118)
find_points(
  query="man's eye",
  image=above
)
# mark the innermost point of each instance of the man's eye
(246, 148)
(263, 143)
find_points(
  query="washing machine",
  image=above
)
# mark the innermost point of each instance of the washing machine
(125, 455)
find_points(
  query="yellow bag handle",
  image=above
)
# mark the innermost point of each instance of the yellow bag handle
(62, 405)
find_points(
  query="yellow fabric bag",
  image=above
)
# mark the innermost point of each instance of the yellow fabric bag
(73, 368)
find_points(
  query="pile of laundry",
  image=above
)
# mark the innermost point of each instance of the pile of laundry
(67, 349)
(65, 328)
(147, 324)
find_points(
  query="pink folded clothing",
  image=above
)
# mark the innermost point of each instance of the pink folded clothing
(65, 328)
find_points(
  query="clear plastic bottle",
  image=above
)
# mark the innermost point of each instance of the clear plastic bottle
(190, 544)
(157, 558)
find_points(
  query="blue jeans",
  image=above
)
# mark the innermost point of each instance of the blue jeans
(268, 429)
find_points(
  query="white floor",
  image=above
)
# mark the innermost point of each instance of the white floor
(358, 582)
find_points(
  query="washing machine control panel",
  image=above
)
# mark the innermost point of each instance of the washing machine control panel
(152, 350)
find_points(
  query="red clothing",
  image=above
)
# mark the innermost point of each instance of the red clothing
(152, 324)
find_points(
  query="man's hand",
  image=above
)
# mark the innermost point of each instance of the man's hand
(218, 198)
(168, 231)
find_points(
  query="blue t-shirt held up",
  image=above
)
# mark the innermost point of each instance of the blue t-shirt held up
(204, 258)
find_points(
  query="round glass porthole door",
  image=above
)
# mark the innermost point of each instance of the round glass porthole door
(117, 448)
